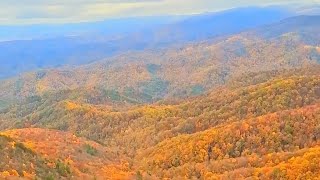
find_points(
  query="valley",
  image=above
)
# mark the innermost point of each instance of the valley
(245, 105)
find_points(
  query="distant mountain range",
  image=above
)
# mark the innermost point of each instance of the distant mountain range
(106, 28)
(190, 70)
(44, 46)
(242, 103)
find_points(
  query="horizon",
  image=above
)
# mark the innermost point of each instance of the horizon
(160, 89)
(59, 13)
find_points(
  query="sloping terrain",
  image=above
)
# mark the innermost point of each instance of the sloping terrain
(247, 106)
(52, 154)
(271, 115)
(18, 160)
(294, 26)
(80, 43)
(278, 133)
(149, 76)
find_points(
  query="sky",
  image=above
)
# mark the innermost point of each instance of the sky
(66, 11)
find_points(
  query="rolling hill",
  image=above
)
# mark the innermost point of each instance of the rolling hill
(243, 106)
(88, 42)
(252, 129)
(50, 154)
(149, 76)
(298, 27)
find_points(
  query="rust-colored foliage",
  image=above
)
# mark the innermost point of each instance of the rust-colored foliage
(241, 107)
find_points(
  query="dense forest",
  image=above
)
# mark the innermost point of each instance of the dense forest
(246, 106)
(276, 116)
(152, 75)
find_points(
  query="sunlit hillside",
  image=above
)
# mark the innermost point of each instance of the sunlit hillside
(174, 73)
(271, 117)
(50, 154)
(226, 95)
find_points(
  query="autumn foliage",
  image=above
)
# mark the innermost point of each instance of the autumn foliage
(244, 107)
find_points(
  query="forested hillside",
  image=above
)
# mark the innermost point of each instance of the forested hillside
(244, 106)
(50, 154)
(150, 76)
(268, 116)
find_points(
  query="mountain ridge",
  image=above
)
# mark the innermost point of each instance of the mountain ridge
(79, 50)
(158, 74)
(276, 111)
(245, 105)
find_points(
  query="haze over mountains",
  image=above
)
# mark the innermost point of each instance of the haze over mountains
(158, 74)
(227, 95)
(87, 42)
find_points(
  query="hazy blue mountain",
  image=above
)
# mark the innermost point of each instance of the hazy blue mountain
(308, 10)
(106, 27)
(201, 27)
(300, 25)
(44, 46)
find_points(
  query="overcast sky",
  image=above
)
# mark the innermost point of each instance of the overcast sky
(61, 11)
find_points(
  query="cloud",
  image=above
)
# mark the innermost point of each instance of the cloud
(70, 2)
(60, 11)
